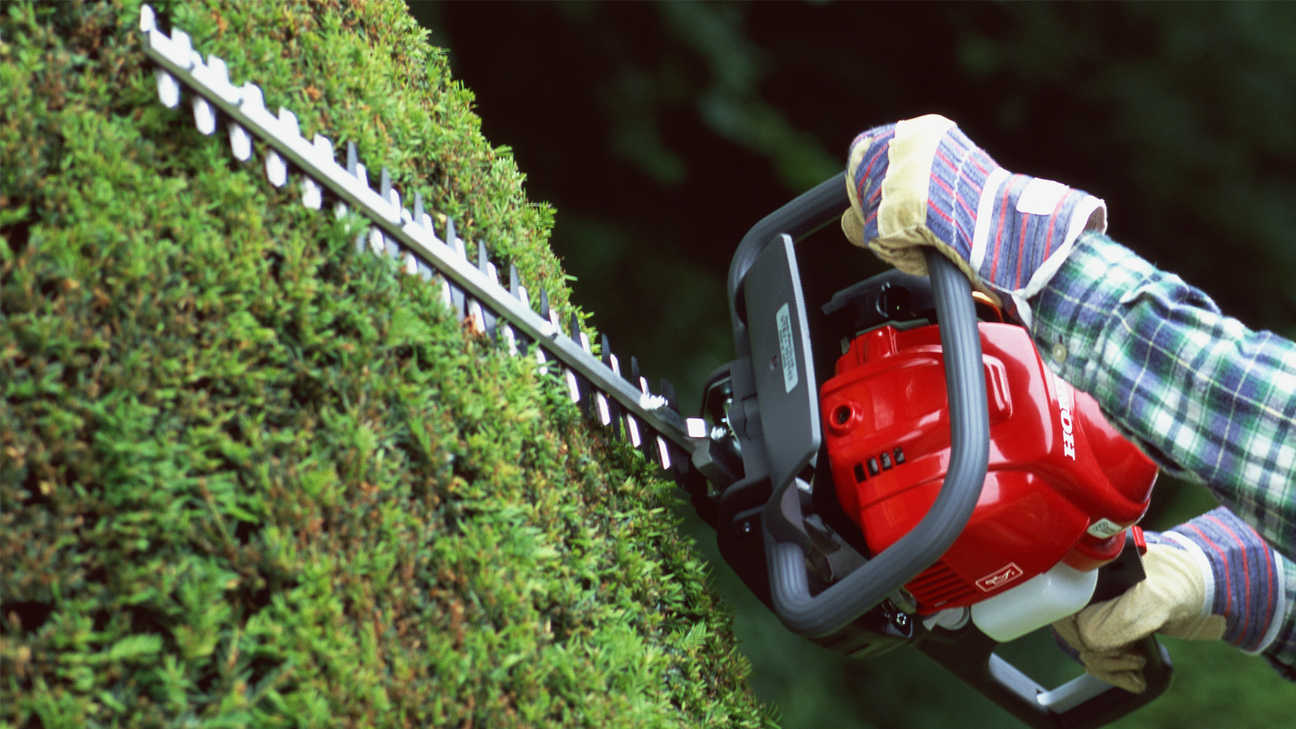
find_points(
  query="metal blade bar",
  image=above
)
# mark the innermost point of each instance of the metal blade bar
(472, 290)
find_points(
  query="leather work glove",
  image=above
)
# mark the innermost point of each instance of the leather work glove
(1209, 579)
(922, 182)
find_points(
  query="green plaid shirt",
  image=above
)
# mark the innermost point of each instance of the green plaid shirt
(1210, 400)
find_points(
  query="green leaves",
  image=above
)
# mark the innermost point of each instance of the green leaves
(250, 477)
(135, 647)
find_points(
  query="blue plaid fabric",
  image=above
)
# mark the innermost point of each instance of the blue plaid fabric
(1210, 400)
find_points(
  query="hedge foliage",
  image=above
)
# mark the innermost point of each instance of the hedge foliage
(251, 477)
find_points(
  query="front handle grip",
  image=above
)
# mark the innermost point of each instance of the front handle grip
(861, 590)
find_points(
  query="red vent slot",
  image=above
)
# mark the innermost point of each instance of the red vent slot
(939, 586)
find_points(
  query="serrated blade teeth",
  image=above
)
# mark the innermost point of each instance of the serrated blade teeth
(469, 282)
(148, 19)
(663, 452)
(168, 89)
(573, 388)
(240, 142)
(276, 169)
(618, 417)
(604, 411)
(323, 147)
(250, 96)
(450, 235)
(204, 116)
(387, 192)
(632, 428)
(312, 195)
(476, 318)
(510, 340)
(183, 45)
(445, 291)
(288, 123)
(351, 159)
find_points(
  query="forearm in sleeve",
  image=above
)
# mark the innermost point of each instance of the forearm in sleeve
(1206, 397)
(1250, 584)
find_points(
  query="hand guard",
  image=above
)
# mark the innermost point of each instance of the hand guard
(922, 182)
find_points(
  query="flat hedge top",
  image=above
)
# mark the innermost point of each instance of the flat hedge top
(249, 476)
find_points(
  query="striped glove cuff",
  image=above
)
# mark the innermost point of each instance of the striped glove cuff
(1247, 579)
(923, 182)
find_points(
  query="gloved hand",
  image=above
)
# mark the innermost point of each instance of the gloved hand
(1209, 579)
(922, 182)
(1171, 601)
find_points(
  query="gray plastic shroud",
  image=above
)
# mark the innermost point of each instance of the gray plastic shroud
(782, 365)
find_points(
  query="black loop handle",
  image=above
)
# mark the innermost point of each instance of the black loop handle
(862, 589)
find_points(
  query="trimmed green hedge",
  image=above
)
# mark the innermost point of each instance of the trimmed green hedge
(251, 477)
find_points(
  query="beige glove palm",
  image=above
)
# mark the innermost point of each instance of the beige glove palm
(1173, 600)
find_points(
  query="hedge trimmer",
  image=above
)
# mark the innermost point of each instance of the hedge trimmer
(940, 489)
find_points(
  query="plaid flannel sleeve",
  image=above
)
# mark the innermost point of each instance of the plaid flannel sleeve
(1210, 400)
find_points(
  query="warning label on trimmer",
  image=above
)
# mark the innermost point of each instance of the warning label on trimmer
(787, 352)
(1000, 577)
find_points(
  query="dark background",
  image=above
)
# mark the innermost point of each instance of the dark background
(661, 132)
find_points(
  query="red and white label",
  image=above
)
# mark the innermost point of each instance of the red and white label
(999, 577)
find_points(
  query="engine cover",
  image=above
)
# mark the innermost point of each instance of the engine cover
(1062, 484)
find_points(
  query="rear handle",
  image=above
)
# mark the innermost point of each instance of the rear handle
(1081, 703)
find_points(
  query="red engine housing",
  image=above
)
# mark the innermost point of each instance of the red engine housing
(1061, 486)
